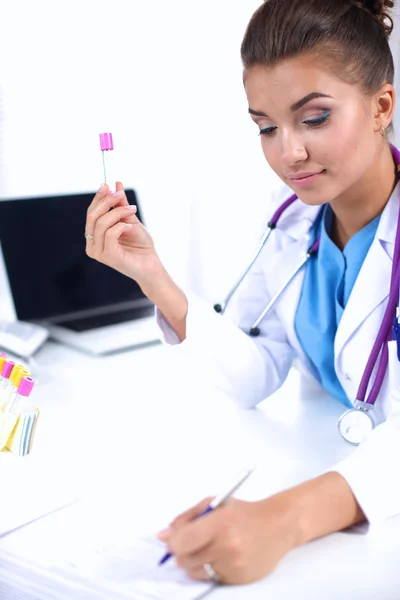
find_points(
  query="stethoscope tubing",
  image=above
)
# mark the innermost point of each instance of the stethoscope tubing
(384, 332)
(221, 308)
(254, 330)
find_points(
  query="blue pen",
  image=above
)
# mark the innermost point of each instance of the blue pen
(241, 477)
(396, 331)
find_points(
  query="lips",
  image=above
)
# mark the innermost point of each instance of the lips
(300, 176)
(304, 180)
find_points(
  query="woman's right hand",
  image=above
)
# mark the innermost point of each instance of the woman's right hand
(119, 238)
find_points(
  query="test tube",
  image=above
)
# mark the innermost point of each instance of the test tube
(5, 384)
(18, 372)
(23, 391)
(3, 358)
(107, 147)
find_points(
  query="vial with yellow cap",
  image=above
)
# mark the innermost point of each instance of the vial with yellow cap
(3, 358)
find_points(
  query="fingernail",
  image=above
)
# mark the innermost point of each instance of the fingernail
(101, 187)
(164, 534)
(131, 207)
(118, 194)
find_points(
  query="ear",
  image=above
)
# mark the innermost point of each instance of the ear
(383, 106)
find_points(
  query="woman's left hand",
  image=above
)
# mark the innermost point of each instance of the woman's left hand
(242, 541)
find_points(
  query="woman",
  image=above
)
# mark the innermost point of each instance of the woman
(318, 76)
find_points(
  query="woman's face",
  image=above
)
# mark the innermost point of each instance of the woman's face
(311, 123)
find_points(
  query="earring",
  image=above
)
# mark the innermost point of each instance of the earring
(382, 131)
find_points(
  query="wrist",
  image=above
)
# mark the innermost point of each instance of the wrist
(319, 507)
(171, 301)
(155, 279)
(286, 517)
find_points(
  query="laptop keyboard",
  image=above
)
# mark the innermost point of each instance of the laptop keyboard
(23, 331)
(112, 318)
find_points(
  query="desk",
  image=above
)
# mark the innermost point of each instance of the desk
(140, 421)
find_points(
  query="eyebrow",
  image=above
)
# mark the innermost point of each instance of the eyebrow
(296, 106)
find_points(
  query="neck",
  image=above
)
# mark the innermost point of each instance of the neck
(360, 204)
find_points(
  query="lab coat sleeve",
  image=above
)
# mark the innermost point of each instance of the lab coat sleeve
(245, 368)
(373, 471)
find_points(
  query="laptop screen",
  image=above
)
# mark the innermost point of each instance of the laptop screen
(50, 275)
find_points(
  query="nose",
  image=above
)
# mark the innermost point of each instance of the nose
(293, 150)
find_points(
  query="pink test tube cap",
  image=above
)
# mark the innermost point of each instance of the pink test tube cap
(7, 368)
(106, 141)
(25, 387)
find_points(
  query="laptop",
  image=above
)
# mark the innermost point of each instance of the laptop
(53, 282)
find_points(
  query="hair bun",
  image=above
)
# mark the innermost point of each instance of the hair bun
(380, 9)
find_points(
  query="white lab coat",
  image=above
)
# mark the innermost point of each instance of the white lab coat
(249, 369)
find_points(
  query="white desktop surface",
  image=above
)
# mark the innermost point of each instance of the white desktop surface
(133, 419)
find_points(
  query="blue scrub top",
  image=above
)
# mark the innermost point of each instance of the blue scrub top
(328, 280)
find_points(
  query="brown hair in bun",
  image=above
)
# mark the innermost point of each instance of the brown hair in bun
(351, 36)
(380, 9)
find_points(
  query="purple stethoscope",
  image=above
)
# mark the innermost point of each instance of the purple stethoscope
(355, 424)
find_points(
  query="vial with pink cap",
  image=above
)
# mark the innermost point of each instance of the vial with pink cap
(5, 383)
(18, 372)
(107, 150)
(22, 392)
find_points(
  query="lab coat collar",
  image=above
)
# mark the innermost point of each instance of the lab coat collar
(387, 227)
(372, 285)
(299, 217)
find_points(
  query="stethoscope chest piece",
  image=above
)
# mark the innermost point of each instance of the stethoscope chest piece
(355, 425)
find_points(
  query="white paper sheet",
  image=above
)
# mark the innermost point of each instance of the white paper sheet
(74, 556)
(133, 569)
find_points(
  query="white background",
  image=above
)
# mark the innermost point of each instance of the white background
(165, 78)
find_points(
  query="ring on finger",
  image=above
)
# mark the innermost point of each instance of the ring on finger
(211, 573)
(89, 236)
